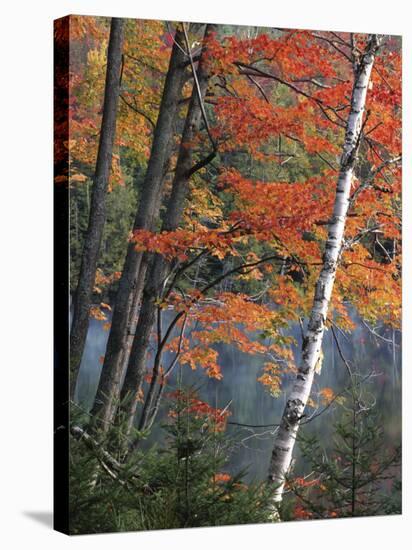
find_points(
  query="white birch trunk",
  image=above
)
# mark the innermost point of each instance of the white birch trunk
(312, 343)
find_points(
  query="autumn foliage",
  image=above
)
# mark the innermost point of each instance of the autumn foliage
(220, 240)
(247, 253)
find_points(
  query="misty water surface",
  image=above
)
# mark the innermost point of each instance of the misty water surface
(250, 403)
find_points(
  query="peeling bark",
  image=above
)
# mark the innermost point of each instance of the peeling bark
(97, 217)
(312, 343)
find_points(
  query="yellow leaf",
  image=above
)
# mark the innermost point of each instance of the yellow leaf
(327, 395)
(78, 177)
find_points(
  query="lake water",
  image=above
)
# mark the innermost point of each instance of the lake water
(251, 404)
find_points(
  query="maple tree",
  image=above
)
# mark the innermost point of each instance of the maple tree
(134, 270)
(241, 147)
(289, 219)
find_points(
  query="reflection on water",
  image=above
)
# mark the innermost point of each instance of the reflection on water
(251, 404)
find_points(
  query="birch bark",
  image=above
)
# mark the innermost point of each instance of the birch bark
(312, 343)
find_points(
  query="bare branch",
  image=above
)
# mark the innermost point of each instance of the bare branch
(138, 111)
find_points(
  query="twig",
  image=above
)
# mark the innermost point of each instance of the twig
(197, 85)
(327, 162)
(259, 87)
(138, 111)
(345, 361)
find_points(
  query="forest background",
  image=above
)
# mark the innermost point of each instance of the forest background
(228, 237)
(41, 278)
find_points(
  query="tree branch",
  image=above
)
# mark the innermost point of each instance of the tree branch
(138, 111)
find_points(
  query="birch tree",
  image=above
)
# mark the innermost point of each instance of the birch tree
(83, 295)
(312, 343)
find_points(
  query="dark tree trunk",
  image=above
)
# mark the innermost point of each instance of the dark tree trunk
(97, 216)
(160, 267)
(137, 294)
(146, 218)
